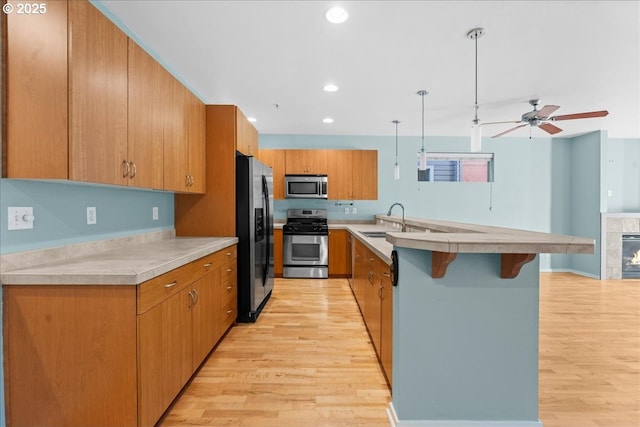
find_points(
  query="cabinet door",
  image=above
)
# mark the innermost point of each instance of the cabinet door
(246, 134)
(164, 355)
(97, 97)
(174, 131)
(36, 115)
(365, 174)
(386, 321)
(372, 297)
(196, 130)
(306, 161)
(339, 174)
(145, 151)
(204, 315)
(70, 355)
(276, 160)
(338, 253)
(277, 252)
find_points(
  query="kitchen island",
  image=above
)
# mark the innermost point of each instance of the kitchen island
(465, 321)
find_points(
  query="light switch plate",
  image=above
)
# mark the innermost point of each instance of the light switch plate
(20, 218)
(155, 213)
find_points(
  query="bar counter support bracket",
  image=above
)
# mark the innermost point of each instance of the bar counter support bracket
(439, 263)
(511, 264)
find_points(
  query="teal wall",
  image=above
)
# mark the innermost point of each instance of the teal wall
(465, 345)
(588, 197)
(525, 193)
(61, 218)
(623, 175)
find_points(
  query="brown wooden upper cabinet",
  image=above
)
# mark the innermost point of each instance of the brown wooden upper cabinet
(306, 162)
(35, 138)
(352, 174)
(247, 135)
(97, 97)
(276, 160)
(106, 112)
(184, 138)
(145, 130)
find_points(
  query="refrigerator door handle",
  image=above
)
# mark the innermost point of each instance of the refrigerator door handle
(267, 231)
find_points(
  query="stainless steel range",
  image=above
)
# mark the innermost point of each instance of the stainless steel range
(306, 244)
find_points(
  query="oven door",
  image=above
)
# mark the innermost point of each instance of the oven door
(307, 250)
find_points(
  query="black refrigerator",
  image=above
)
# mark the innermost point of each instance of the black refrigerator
(254, 228)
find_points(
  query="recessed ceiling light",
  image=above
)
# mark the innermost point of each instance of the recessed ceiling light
(330, 87)
(336, 15)
(252, 119)
(327, 120)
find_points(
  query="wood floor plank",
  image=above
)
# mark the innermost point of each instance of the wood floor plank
(308, 361)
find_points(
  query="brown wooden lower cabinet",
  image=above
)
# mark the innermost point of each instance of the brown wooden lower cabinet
(371, 286)
(338, 253)
(111, 355)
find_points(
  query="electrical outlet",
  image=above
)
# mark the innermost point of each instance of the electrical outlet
(354, 210)
(92, 215)
(20, 218)
(609, 193)
(346, 211)
(155, 213)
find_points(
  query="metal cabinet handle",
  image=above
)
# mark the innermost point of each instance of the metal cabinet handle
(192, 299)
(229, 288)
(197, 295)
(229, 311)
(187, 180)
(134, 169)
(207, 265)
(380, 292)
(125, 168)
(386, 274)
(171, 285)
(229, 253)
(369, 277)
(229, 270)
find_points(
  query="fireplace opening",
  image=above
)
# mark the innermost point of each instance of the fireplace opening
(631, 256)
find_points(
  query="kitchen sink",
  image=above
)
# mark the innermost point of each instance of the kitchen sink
(375, 234)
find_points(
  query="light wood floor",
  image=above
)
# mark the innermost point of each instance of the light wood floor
(308, 361)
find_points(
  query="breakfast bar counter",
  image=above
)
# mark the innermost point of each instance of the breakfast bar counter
(465, 321)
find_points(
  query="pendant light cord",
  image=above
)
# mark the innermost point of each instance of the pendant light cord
(396, 122)
(476, 116)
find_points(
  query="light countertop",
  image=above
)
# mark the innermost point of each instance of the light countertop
(130, 265)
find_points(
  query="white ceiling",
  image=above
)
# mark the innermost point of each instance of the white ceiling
(580, 55)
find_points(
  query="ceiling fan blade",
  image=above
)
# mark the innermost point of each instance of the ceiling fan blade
(509, 130)
(581, 115)
(549, 128)
(499, 123)
(547, 110)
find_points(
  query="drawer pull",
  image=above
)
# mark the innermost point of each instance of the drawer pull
(229, 253)
(229, 288)
(229, 311)
(207, 265)
(229, 270)
(386, 274)
(171, 285)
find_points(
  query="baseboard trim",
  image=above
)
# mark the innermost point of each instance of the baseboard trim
(569, 270)
(394, 422)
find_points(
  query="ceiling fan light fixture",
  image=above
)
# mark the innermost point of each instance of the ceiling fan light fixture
(476, 132)
(330, 87)
(327, 120)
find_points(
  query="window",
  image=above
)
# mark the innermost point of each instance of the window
(458, 167)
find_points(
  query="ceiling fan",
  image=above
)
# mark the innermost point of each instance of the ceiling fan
(541, 118)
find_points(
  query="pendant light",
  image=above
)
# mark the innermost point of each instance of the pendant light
(422, 155)
(396, 168)
(476, 132)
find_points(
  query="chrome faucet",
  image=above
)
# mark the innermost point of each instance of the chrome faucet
(404, 226)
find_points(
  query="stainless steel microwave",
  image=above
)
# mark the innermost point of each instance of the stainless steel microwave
(305, 186)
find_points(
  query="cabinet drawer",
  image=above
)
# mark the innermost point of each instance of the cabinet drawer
(228, 292)
(159, 288)
(228, 315)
